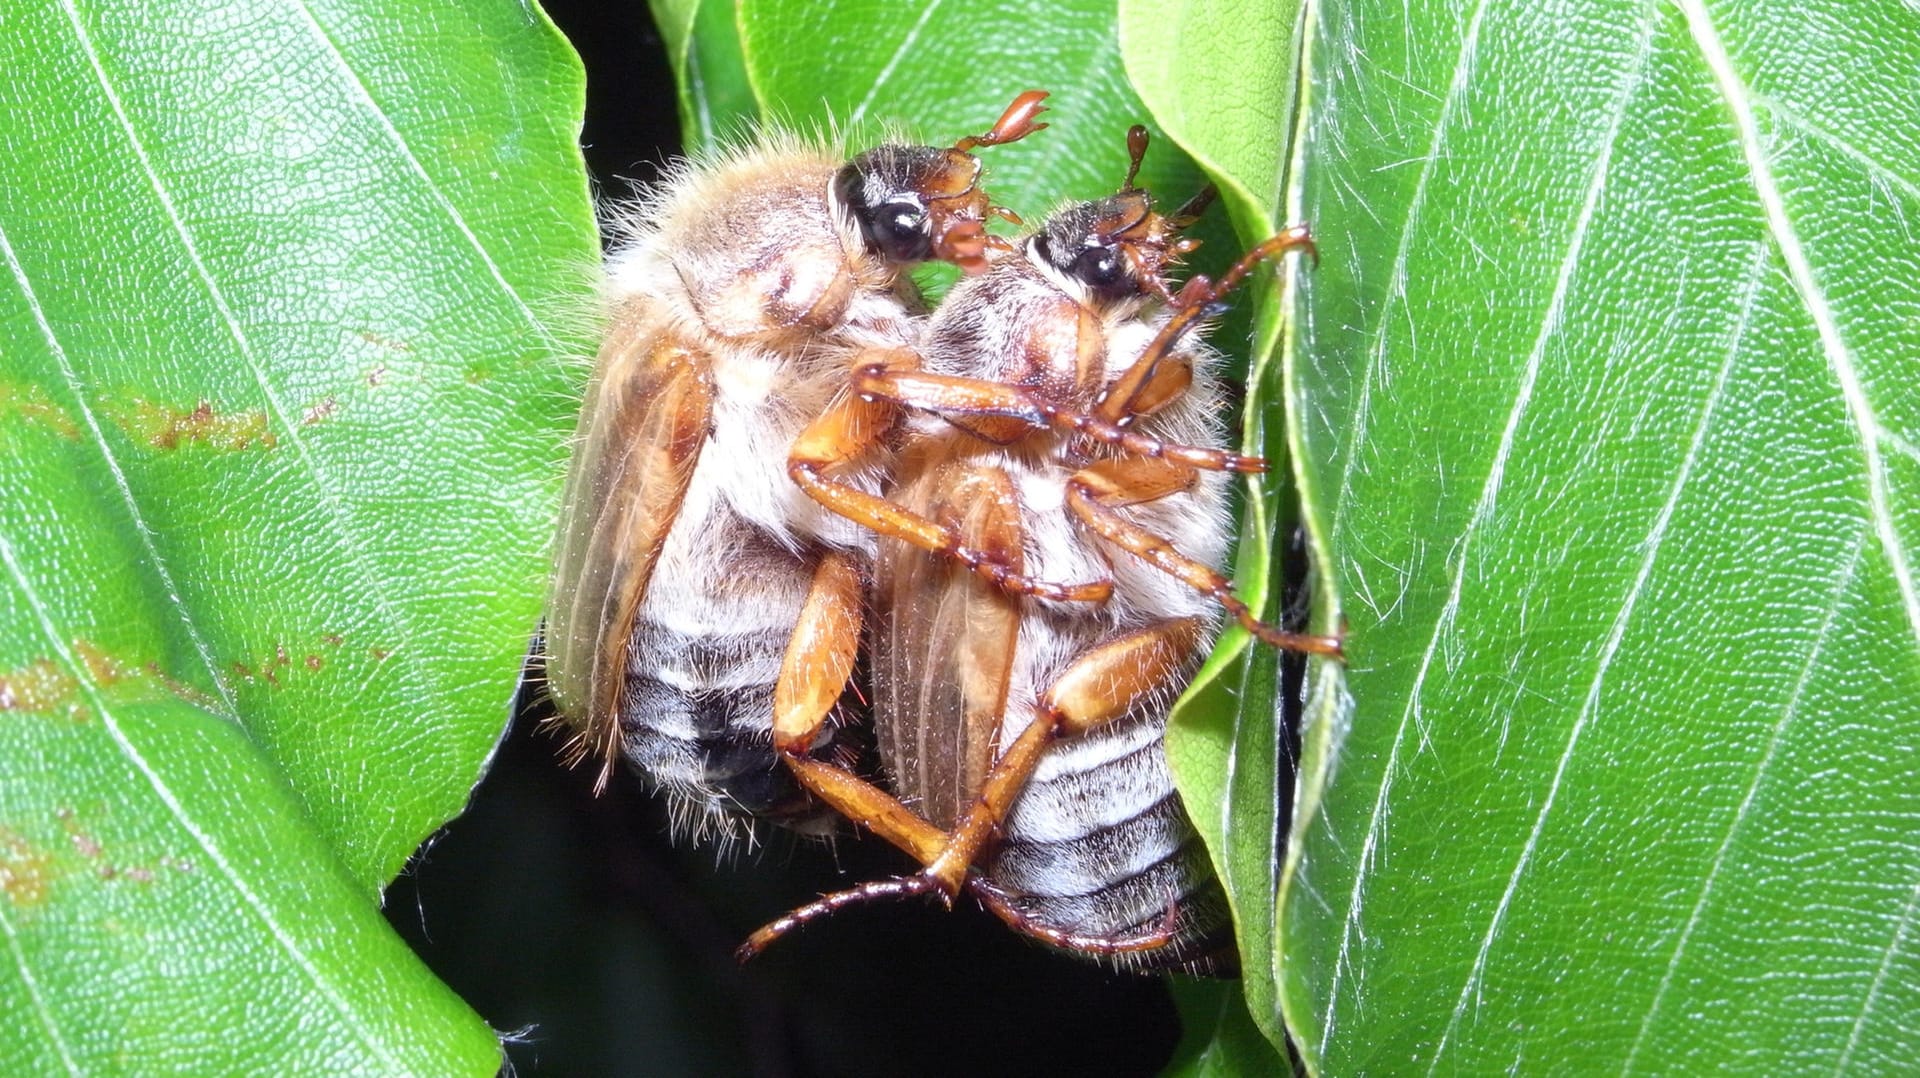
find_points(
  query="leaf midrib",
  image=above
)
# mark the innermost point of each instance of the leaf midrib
(434, 192)
(1734, 91)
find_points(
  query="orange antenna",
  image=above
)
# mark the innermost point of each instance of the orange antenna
(1136, 152)
(1194, 302)
(1014, 124)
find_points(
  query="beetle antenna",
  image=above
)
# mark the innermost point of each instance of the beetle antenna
(1136, 153)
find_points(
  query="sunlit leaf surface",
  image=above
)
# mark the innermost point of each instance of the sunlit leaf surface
(279, 432)
(1234, 113)
(1607, 392)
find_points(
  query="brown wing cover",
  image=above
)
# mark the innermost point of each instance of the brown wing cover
(647, 413)
(943, 655)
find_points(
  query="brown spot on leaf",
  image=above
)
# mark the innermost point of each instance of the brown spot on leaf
(33, 407)
(383, 342)
(102, 667)
(378, 375)
(88, 846)
(23, 870)
(182, 690)
(37, 686)
(44, 686)
(272, 669)
(320, 412)
(171, 428)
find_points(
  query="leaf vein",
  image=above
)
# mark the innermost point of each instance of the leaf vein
(1774, 740)
(886, 71)
(1840, 360)
(40, 1008)
(249, 897)
(1484, 510)
(244, 348)
(1879, 979)
(120, 482)
(1794, 119)
(1397, 276)
(1363, 400)
(414, 165)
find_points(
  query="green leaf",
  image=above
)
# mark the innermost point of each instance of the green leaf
(1233, 113)
(1608, 426)
(709, 71)
(280, 434)
(1218, 75)
(1218, 1039)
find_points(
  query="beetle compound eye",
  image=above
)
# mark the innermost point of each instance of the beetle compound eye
(1105, 271)
(880, 193)
(1098, 266)
(899, 230)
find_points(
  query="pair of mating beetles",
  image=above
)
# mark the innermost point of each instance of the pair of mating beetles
(1011, 508)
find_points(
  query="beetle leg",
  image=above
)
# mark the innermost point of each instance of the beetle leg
(1170, 379)
(848, 429)
(1194, 303)
(995, 900)
(871, 891)
(1095, 493)
(820, 654)
(999, 903)
(971, 402)
(1099, 687)
(813, 673)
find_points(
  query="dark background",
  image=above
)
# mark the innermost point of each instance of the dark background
(571, 922)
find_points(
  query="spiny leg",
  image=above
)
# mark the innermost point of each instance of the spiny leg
(991, 897)
(1001, 904)
(1095, 493)
(1099, 687)
(974, 399)
(1194, 302)
(981, 504)
(848, 429)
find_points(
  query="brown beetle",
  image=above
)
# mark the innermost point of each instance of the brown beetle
(741, 293)
(1045, 589)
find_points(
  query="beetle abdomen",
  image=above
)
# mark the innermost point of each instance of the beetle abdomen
(702, 663)
(1099, 845)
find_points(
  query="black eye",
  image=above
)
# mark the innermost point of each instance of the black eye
(1104, 271)
(897, 230)
(895, 225)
